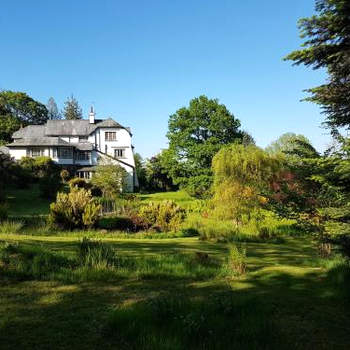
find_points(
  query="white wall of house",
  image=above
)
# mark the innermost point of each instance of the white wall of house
(123, 141)
(17, 153)
(72, 139)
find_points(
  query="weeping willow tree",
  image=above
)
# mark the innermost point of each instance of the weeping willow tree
(242, 175)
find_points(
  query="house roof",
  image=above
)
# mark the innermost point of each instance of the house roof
(87, 168)
(109, 123)
(79, 127)
(83, 146)
(39, 141)
(48, 134)
(30, 131)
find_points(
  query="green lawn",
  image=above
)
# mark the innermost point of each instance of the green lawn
(26, 202)
(293, 304)
(180, 197)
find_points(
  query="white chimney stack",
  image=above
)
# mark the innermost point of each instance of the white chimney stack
(92, 115)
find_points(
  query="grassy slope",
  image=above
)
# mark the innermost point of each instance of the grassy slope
(304, 308)
(26, 202)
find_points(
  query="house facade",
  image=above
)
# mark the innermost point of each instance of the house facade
(80, 144)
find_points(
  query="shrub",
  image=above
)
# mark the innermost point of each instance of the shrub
(110, 178)
(3, 211)
(236, 262)
(131, 223)
(166, 215)
(27, 163)
(64, 174)
(74, 210)
(78, 182)
(8, 227)
(90, 214)
(44, 166)
(199, 186)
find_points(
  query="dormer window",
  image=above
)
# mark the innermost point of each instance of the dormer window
(110, 136)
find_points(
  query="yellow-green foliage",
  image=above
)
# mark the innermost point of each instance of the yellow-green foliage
(110, 178)
(75, 209)
(248, 165)
(241, 173)
(260, 225)
(166, 215)
(236, 262)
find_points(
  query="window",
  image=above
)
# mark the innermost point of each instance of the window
(83, 155)
(83, 138)
(119, 153)
(64, 153)
(35, 152)
(110, 136)
(85, 174)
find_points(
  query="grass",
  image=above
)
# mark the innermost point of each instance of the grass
(180, 197)
(168, 292)
(160, 297)
(26, 202)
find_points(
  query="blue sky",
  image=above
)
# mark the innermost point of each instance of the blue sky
(139, 61)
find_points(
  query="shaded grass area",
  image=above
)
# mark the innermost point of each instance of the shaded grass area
(286, 300)
(26, 202)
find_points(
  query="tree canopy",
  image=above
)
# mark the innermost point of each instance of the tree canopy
(327, 45)
(72, 110)
(196, 133)
(16, 109)
(52, 109)
(109, 177)
(292, 144)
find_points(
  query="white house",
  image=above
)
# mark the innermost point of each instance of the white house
(79, 144)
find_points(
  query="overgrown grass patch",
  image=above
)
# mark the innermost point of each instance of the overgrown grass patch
(97, 261)
(169, 322)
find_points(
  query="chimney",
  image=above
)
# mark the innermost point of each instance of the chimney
(92, 115)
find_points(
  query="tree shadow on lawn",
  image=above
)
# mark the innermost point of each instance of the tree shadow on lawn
(266, 310)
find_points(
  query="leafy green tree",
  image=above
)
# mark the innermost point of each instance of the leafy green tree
(8, 125)
(157, 175)
(110, 178)
(327, 46)
(52, 109)
(293, 144)
(72, 110)
(242, 175)
(196, 133)
(16, 109)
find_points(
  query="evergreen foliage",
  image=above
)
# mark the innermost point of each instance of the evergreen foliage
(52, 109)
(72, 110)
(326, 45)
